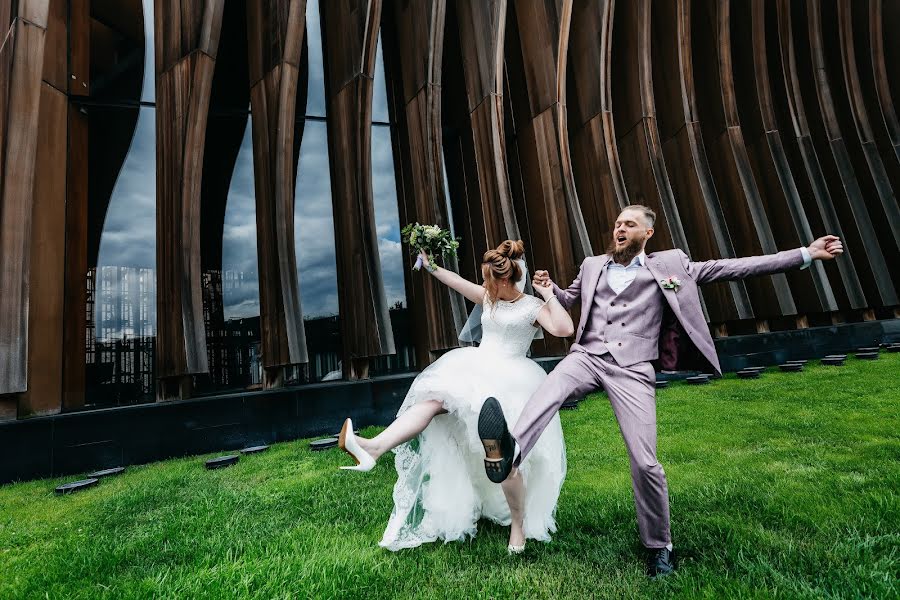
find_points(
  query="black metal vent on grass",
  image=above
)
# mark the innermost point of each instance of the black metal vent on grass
(75, 486)
(107, 473)
(222, 461)
(323, 444)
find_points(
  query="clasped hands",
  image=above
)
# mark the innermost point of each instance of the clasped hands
(542, 284)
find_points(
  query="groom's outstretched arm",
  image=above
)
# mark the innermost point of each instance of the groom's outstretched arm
(572, 294)
(726, 269)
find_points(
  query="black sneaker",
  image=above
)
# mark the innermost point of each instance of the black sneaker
(661, 563)
(498, 443)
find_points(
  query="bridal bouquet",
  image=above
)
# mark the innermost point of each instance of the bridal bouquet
(430, 239)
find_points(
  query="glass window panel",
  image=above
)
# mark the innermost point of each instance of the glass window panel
(148, 90)
(315, 247)
(315, 103)
(387, 218)
(449, 207)
(379, 94)
(231, 289)
(240, 290)
(121, 309)
(390, 251)
(387, 223)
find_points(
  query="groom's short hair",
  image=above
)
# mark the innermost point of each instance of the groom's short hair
(648, 212)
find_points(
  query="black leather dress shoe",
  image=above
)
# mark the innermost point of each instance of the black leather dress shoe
(661, 563)
(499, 446)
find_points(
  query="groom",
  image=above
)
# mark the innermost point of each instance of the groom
(623, 295)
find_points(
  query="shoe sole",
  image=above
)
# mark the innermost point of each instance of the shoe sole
(494, 435)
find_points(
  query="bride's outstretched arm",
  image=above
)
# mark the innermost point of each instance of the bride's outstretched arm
(553, 317)
(472, 291)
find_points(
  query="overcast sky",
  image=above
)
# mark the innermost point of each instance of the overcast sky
(129, 230)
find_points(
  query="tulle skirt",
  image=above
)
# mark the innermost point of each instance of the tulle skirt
(442, 490)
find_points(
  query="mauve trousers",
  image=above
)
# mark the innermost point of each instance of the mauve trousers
(632, 394)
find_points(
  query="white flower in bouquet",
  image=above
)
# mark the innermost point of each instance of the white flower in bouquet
(429, 240)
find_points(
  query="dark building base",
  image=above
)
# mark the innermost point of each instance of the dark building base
(84, 441)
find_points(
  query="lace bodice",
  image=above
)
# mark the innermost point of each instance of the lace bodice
(507, 328)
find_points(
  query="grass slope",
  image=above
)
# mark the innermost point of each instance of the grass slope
(786, 486)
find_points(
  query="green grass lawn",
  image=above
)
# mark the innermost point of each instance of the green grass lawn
(786, 486)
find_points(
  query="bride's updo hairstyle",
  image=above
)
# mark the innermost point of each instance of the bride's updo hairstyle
(499, 264)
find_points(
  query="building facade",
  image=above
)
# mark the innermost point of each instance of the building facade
(201, 196)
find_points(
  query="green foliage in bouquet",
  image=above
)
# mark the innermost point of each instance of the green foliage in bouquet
(430, 239)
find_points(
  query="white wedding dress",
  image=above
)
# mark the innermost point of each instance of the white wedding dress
(442, 490)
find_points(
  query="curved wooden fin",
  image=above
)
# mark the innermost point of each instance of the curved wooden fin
(720, 124)
(187, 37)
(767, 154)
(481, 30)
(350, 36)
(275, 42)
(634, 110)
(21, 64)
(883, 180)
(685, 153)
(879, 45)
(592, 135)
(855, 182)
(812, 180)
(413, 44)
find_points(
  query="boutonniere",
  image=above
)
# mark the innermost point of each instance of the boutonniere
(671, 283)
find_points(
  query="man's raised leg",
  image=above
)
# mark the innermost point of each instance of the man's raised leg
(574, 377)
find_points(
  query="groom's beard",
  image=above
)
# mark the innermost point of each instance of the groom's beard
(626, 254)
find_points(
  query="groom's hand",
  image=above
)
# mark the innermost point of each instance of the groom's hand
(544, 290)
(541, 279)
(824, 248)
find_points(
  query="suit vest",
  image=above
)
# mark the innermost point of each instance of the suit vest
(627, 325)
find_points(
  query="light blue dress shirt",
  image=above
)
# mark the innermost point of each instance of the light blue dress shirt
(620, 277)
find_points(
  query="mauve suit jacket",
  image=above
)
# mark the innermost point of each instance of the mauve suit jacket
(684, 303)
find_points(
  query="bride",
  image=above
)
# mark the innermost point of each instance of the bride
(441, 488)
